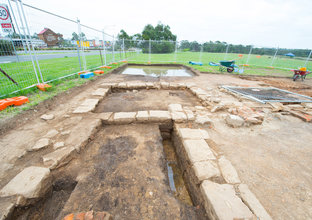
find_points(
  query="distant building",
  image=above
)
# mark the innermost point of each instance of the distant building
(49, 37)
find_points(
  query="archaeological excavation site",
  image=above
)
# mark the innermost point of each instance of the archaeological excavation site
(190, 145)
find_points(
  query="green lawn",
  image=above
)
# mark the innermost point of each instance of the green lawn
(52, 69)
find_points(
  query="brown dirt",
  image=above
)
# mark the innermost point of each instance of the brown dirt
(145, 100)
(123, 172)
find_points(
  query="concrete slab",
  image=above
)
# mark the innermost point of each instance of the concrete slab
(222, 203)
(32, 182)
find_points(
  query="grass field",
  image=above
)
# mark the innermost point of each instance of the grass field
(52, 69)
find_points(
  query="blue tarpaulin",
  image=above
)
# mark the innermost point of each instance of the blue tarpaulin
(289, 55)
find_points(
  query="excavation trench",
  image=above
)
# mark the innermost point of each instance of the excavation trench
(130, 171)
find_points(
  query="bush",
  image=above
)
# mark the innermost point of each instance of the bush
(6, 48)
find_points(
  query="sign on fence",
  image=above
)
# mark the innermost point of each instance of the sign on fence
(5, 19)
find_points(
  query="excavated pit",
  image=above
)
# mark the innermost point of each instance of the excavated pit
(136, 100)
(130, 171)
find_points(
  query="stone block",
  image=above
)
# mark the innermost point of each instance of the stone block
(188, 133)
(105, 116)
(228, 171)
(190, 115)
(205, 170)
(203, 119)
(51, 133)
(124, 117)
(58, 158)
(109, 85)
(164, 85)
(58, 145)
(253, 203)
(159, 116)
(32, 182)
(142, 116)
(178, 116)
(100, 92)
(40, 144)
(175, 108)
(222, 203)
(90, 102)
(234, 121)
(83, 109)
(198, 150)
(82, 132)
(122, 85)
(47, 117)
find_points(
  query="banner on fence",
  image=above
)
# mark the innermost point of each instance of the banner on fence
(5, 19)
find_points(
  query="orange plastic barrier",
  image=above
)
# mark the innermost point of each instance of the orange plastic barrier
(124, 61)
(12, 101)
(43, 87)
(98, 72)
(106, 67)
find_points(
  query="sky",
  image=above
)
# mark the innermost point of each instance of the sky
(269, 23)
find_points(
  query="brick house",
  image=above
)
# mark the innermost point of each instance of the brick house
(49, 37)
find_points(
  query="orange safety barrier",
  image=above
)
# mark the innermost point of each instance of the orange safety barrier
(124, 61)
(98, 72)
(106, 67)
(13, 101)
(43, 87)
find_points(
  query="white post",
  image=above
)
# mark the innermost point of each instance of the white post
(249, 55)
(226, 51)
(104, 47)
(149, 49)
(81, 45)
(113, 49)
(123, 48)
(274, 56)
(32, 46)
(26, 40)
(201, 53)
(175, 51)
(307, 60)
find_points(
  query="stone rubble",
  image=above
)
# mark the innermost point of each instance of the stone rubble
(47, 117)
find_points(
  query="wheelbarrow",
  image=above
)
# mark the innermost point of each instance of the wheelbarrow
(300, 73)
(227, 65)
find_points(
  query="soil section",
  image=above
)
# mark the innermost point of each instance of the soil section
(137, 100)
(123, 171)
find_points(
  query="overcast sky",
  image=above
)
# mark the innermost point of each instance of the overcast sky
(283, 23)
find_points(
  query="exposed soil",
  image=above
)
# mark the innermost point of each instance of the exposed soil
(129, 101)
(123, 171)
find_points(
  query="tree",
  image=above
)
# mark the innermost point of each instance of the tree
(75, 36)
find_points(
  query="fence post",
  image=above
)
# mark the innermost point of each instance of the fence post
(104, 47)
(201, 52)
(307, 60)
(123, 47)
(113, 48)
(226, 51)
(81, 45)
(274, 56)
(149, 51)
(26, 41)
(32, 46)
(175, 51)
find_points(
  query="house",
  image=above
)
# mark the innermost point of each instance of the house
(49, 37)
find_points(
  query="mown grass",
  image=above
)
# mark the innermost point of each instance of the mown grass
(36, 96)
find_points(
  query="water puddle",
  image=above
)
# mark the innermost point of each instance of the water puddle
(175, 176)
(157, 71)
